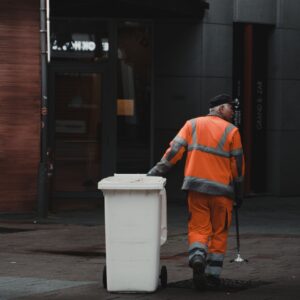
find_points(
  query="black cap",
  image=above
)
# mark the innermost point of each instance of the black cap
(219, 100)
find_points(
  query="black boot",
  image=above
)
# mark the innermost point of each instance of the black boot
(212, 282)
(198, 264)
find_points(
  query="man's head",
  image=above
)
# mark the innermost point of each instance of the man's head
(222, 105)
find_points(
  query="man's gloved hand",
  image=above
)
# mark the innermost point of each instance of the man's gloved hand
(160, 169)
(153, 172)
(150, 174)
(238, 201)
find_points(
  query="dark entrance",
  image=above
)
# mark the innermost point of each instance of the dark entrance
(100, 105)
(134, 69)
(78, 123)
(82, 150)
(250, 59)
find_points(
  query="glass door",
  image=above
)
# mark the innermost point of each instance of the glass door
(134, 78)
(78, 98)
(100, 113)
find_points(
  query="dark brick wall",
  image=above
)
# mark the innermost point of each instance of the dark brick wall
(19, 104)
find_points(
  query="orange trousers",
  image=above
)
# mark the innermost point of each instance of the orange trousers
(209, 221)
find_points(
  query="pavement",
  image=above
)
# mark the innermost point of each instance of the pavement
(62, 257)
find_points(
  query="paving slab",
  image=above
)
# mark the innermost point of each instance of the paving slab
(62, 257)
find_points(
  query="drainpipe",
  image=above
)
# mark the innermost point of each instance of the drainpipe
(42, 190)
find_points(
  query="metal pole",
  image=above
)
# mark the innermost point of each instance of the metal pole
(238, 258)
(42, 171)
(237, 229)
(237, 122)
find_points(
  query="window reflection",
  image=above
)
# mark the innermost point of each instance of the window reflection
(134, 95)
(77, 131)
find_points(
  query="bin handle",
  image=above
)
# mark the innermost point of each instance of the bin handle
(163, 217)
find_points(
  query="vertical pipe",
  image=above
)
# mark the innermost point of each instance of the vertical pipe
(48, 29)
(247, 116)
(42, 172)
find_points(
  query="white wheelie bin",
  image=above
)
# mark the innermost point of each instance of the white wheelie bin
(135, 228)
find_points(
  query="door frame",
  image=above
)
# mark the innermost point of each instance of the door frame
(108, 117)
(109, 104)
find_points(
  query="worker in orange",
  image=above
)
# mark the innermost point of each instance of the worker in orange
(213, 177)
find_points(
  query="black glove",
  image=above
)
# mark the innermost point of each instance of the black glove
(149, 174)
(152, 174)
(160, 169)
(238, 201)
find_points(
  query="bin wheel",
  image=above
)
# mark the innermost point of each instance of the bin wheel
(104, 278)
(163, 277)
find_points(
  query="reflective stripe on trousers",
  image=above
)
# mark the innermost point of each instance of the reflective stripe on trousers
(197, 249)
(214, 264)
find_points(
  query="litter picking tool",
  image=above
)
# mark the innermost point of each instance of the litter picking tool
(238, 258)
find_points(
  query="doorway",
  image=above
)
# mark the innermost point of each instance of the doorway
(134, 79)
(100, 112)
(79, 107)
(77, 131)
(250, 58)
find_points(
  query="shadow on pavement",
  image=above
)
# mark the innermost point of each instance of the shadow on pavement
(227, 285)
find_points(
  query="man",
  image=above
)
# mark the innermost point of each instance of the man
(213, 177)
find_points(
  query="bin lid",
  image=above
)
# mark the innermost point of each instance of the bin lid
(132, 182)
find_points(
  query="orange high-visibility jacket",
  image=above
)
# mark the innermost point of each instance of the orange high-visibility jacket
(215, 161)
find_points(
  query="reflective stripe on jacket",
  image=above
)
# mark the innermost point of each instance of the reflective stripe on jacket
(215, 162)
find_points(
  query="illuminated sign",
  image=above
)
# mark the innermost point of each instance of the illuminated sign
(74, 46)
(79, 46)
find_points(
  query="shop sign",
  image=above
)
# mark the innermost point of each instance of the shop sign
(82, 46)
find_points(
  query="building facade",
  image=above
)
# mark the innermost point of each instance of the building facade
(19, 104)
(122, 78)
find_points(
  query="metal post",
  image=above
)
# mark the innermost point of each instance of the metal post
(237, 227)
(238, 258)
(42, 171)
